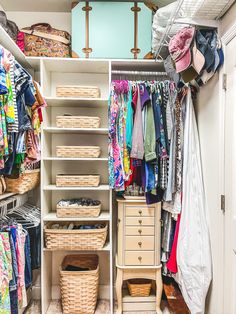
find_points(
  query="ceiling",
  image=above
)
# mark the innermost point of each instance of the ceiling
(54, 5)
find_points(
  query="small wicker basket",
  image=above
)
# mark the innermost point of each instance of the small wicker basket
(78, 151)
(78, 239)
(139, 287)
(79, 289)
(27, 181)
(77, 91)
(77, 180)
(78, 122)
(76, 211)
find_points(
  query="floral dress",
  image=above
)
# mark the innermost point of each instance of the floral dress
(116, 171)
(5, 273)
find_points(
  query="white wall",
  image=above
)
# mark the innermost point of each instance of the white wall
(59, 20)
(209, 116)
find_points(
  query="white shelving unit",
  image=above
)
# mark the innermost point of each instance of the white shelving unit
(81, 72)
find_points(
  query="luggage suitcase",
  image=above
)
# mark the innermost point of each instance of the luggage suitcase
(41, 40)
(111, 29)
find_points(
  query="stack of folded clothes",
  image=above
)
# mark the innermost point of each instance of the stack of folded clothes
(73, 226)
(78, 201)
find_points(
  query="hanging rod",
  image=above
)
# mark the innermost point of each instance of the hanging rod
(149, 73)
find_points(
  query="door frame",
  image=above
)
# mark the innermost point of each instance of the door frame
(226, 39)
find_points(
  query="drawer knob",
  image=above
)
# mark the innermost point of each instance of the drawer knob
(140, 212)
(140, 231)
(140, 244)
(140, 258)
(140, 222)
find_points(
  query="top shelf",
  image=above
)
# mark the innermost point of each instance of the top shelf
(99, 66)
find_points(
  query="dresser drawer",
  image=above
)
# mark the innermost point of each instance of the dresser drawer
(139, 211)
(139, 258)
(139, 221)
(142, 243)
(145, 231)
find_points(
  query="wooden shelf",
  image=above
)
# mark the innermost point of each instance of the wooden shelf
(76, 102)
(74, 159)
(7, 42)
(104, 216)
(76, 130)
(53, 187)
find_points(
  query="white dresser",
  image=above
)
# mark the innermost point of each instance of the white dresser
(138, 251)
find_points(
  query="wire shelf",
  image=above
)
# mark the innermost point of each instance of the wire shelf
(204, 13)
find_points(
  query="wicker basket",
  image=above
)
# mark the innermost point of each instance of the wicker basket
(27, 181)
(139, 287)
(76, 211)
(82, 239)
(79, 289)
(78, 151)
(78, 91)
(77, 180)
(78, 122)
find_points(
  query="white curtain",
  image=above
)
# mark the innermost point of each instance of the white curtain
(193, 250)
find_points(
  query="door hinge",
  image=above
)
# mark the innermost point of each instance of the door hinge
(224, 81)
(222, 203)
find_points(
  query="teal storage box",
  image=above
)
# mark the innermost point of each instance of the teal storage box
(111, 30)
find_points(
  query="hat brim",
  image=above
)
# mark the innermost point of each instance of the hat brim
(183, 63)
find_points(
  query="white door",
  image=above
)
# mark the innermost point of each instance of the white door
(230, 180)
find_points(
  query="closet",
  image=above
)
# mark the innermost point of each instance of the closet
(210, 112)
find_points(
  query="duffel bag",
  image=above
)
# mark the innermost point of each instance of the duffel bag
(41, 40)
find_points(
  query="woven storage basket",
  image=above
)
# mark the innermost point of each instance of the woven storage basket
(85, 239)
(27, 181)
(77, 180)
(78, 151)
(78, 91)
(78, 122)
(139, 287)
(76, 211)
(79, 289)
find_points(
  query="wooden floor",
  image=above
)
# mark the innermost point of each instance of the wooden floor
(102, 308)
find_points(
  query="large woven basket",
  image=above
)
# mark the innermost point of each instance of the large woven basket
(85, 239)
(27, 181)
(77, 180)
(76, 211)
(77, 91)
(78, 151)
(78, 122)
(79, 289)
(139, 287)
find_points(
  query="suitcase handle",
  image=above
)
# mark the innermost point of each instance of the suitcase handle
(48, 26)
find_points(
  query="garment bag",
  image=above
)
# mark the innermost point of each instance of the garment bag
(193, 250)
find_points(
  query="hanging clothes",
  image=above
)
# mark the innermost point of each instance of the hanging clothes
(20, 116)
